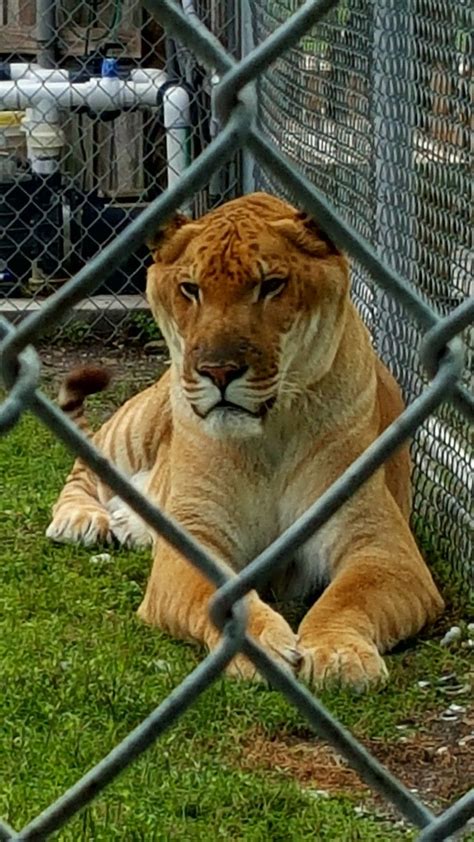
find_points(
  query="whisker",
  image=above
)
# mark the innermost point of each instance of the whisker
(267, 381)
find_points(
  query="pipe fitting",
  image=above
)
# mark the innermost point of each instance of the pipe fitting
(177, 120)
(44, 138)
(99, 94)
(149, 76)
(34, 73)
(44, 93)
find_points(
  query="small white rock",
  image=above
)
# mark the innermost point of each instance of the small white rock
(101, 558)
(423, 684)
(317, 793)
(453, 634)
(161, 665)
(456, 708)
(456, 689)
(449, 716)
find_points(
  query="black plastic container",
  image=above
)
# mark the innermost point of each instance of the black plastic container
(101, 222)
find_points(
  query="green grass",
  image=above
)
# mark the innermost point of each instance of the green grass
(78, 672)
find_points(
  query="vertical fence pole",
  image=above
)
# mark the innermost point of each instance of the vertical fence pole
(224, 183)
(247, 43)
(395, 178)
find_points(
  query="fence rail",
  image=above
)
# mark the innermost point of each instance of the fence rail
(236, 104)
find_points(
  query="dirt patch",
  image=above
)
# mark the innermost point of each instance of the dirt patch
(130, 365)
(437, 762)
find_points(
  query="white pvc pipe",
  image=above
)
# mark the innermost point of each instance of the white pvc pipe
(98, 94)
(45, 96)
(32, 71)
(44, 137)
(189, 8)
(147, 75)
(177, 120)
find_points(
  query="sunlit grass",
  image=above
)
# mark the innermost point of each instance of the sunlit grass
(79, 671)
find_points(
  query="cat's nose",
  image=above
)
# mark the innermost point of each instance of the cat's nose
(221, 375)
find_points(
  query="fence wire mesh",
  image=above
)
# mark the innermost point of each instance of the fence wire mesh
(71, 178)
(374, 105)
(391, 291)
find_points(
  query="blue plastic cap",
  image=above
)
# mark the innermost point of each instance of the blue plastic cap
(109, 68)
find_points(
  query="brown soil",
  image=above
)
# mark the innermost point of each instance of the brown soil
(134, 366)
(437, 762)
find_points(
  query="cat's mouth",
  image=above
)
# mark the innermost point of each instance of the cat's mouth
(226, 406)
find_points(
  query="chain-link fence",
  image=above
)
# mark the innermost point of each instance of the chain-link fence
(236, 106)
(100, 111)
(374, 105)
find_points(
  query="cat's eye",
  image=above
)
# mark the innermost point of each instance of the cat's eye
(190, 290)
(271, 287)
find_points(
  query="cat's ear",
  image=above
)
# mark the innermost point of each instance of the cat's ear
(170, 239)
(305, 233)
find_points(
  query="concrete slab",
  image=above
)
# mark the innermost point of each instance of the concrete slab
(111, 308)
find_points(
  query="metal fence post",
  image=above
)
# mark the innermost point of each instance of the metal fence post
(247, 44)
(395, 179)
(224, 182)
